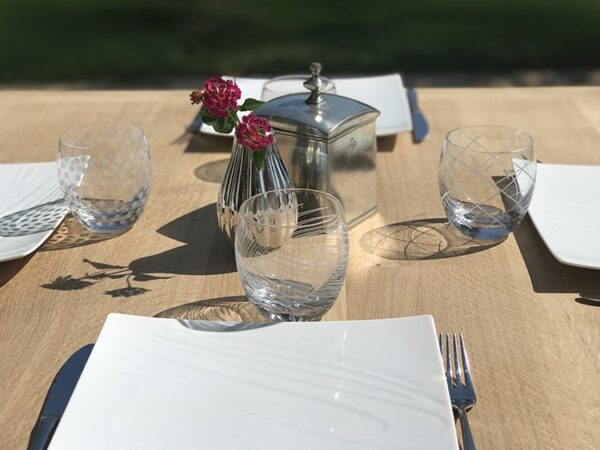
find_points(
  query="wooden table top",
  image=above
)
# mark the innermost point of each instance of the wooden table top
(534, 344)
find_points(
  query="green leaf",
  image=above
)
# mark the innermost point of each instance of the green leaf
(223, 125)
(250, 104)
(206, 117)
(259, 158)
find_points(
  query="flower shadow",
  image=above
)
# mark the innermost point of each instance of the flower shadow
(104, 272)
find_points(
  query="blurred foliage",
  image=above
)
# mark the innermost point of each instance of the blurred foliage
(63, 40)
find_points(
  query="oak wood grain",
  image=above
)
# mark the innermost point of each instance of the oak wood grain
(535, 350)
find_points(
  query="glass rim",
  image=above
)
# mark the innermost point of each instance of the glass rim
(334, 200)
(515, 132)
(97, 125)
(299, 77)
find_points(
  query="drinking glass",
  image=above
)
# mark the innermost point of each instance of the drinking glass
(291, 250)
(487, 177)
(291, 84)
(104, 172)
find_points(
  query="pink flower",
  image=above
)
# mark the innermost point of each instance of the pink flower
(220, 96)
(254, 132)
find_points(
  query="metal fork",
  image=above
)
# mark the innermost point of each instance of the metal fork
(462, 394)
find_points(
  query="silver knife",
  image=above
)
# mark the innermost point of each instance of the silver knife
(57, 398)
(420, 126)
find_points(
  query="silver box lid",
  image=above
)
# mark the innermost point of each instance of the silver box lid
(316, 115)
(333, 116)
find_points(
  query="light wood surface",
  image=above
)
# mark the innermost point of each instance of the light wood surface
(534, 345)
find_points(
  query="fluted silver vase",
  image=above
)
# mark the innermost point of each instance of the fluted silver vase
(242, 180)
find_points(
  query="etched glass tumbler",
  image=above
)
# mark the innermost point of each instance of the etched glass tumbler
(291, 250)
(487, 177)
(104, 172)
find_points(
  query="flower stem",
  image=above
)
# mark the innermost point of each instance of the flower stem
(233, 116)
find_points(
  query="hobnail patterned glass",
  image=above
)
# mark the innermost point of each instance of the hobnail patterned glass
(105, 172)
(291, 249)
(487, 177)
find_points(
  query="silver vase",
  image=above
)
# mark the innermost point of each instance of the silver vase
(242, 180)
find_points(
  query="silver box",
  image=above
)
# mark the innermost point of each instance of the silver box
(328, 143)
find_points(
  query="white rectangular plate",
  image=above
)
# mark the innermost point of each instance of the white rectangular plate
(171, 384)
(385, 93)
(31, 207)
(566, 212)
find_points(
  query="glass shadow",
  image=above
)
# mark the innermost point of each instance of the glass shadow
(421, 240)
(229, 309)
(71, 234)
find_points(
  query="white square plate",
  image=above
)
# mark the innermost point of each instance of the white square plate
(171, 384)
(566, 212)
(385, 93)
(31, 207)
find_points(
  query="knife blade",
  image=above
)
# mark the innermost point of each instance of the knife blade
(420, 126)
(57, 398)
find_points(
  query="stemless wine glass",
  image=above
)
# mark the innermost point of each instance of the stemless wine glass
(104, 172)
(291, 84)
(487, 177)
(291, 250)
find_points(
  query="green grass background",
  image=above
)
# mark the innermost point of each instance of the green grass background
(68, 40)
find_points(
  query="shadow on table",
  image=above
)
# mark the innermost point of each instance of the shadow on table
(99, 272)
(8, 269)
(546, 273)
(386, 143)
(212, 172)
(233, 309)
(421, 240)
(71, 234)
(206, 143)
(589, 299)
(207, 251)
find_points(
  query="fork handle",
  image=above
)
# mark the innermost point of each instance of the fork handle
(468, 443)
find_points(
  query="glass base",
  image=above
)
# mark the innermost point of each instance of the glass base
(482, 233)
(313, 316)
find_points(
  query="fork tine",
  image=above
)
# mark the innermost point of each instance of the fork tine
(458, 372)
(465, 360)
(449, 372)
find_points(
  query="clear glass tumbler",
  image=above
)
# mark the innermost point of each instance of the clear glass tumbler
(291, 84)
(104, 172)
(291, 250)
(487, 177)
